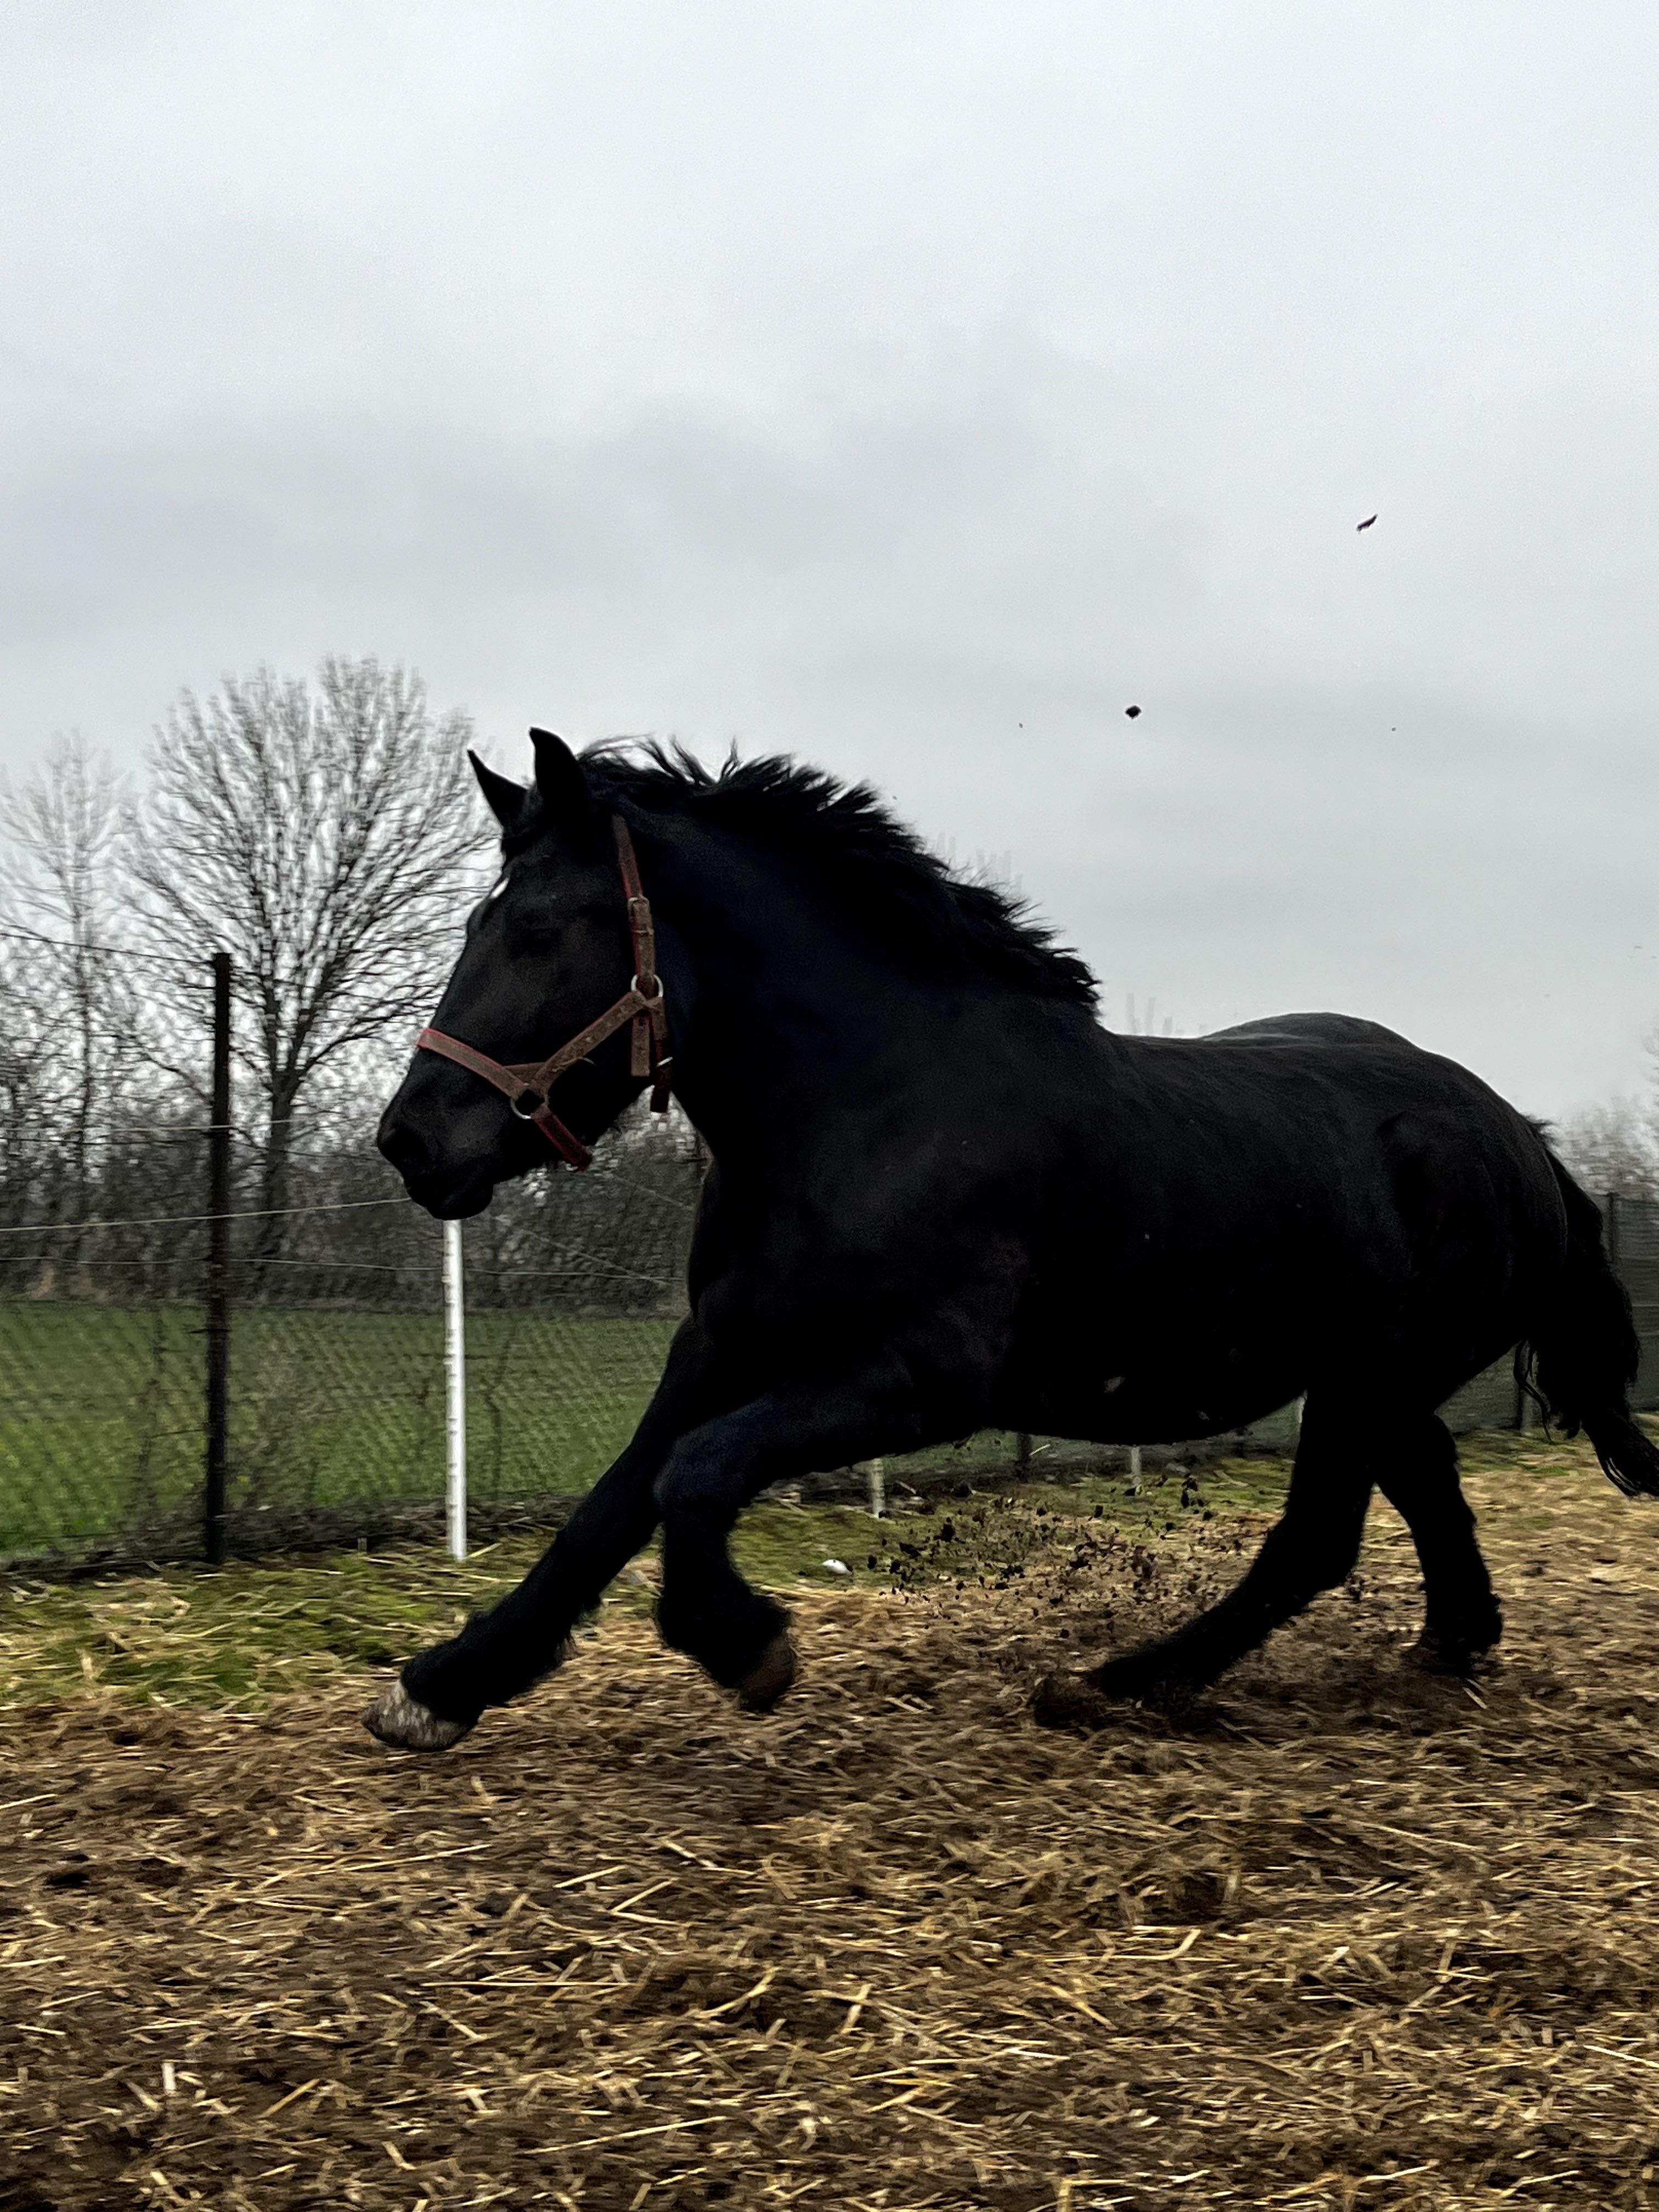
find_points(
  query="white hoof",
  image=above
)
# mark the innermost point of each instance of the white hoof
(396, 1719)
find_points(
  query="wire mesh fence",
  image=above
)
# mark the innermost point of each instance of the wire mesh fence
(335, 1367)
(336, 1412)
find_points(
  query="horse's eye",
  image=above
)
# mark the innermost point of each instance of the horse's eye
(534, 932)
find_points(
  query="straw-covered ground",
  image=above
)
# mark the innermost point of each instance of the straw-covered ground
(1339, 1935)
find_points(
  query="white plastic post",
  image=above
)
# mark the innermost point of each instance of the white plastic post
(455, 1382)
(877, 1474)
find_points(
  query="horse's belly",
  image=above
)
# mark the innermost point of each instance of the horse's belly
(1191, 1380)
(1163, 1415)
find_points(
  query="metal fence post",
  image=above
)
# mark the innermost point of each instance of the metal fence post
(216, 1289)
(455, 1385)
(1522, 1419)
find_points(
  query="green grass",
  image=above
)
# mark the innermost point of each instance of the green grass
(101, 1411)
(245, 1633)
(332, 1412)
(101, 1416)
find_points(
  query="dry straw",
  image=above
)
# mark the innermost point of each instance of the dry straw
(1339, 1936)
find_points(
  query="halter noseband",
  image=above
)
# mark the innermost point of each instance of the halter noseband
(640, 1004)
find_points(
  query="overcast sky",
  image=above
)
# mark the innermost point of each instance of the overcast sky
(911, 387)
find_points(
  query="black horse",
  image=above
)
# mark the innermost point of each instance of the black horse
(943, 1198)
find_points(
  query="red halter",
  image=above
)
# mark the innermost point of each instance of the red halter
(641, 1003)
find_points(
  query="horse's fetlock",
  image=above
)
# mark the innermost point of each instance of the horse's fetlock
(728, 1637)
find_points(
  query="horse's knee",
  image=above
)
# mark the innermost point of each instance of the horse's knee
(697, 1489)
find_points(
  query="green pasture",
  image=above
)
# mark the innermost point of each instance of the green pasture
(337, 1420)
(101, 1411)
(332, 1411)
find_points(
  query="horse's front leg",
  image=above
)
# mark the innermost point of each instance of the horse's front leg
(707, 1609)
(440, 1695)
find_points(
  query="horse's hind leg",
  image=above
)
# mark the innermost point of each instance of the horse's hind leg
(1312, 1548)
(1418, 1478)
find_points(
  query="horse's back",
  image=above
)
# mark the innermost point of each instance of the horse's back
(1311, 1080)
(1378, 1077)
(1326, 1119)
(1309, 1029)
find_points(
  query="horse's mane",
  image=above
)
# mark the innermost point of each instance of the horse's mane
(870, 865)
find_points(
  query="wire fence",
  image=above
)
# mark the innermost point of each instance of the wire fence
(336, 1427)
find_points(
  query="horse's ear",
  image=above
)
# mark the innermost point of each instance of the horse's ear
(563, 788)
(504, 798)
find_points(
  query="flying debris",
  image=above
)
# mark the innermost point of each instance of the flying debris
(1132, 712)
(1366, 524)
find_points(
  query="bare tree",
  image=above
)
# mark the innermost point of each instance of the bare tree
(323, 834)
(1612, 1147)
(26, 1120)
(65, 897)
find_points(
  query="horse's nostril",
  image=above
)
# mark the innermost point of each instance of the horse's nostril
(399, 1143)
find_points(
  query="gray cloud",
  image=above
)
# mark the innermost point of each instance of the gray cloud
(911, 394)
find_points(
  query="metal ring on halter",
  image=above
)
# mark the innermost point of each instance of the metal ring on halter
(639, 985)
(529, 1113)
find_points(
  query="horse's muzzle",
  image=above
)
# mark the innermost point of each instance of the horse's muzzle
(450, 1193)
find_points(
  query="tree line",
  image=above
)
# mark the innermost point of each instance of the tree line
(326, 834)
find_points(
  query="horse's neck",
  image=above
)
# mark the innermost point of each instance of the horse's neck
(769, 1001)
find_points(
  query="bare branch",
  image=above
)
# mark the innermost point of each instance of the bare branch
(325, 834)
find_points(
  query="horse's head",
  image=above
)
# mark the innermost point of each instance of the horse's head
(548, 948)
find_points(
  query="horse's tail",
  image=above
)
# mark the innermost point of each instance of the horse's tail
(1581, 1352)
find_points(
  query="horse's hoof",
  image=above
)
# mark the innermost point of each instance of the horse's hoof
(761, 1690)
(1119, 1680)
(396, 1719)
(1071, 1701)
(1435, 1654)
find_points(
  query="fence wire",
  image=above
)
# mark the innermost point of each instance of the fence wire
(574, 1287)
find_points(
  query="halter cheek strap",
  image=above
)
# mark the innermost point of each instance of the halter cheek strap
(527, 1083)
